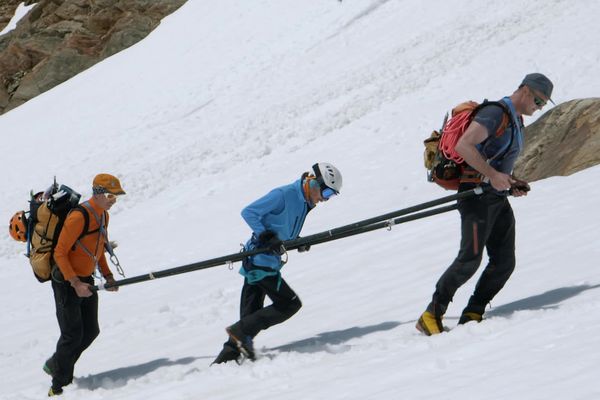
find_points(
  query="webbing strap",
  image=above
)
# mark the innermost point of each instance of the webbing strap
(101, 231)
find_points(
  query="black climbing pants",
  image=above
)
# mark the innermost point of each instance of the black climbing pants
(254, 317)
(78, 321)
(486, 221)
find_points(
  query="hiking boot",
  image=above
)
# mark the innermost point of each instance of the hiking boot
(55, 391)
(46, 369)
(49, 367)
(229, 353)
(429, 324)
(469, 316)
(241, 340)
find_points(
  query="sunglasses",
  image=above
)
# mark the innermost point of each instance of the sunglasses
(110, 196)
(538, 100)
(327, 193)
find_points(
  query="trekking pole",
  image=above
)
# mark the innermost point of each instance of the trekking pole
(367, 225)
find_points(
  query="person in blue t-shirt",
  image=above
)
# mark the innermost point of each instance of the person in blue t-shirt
(274, 218)
(490, 146)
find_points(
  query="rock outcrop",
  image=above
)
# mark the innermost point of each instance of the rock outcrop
(57, 39)
(563, 141)
(7, 10)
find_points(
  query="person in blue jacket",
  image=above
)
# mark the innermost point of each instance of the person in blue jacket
(274, 218)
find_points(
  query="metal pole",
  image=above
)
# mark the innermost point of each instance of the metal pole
(317, 237)
(367, 225)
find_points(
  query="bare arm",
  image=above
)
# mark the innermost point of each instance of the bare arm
(475, 134)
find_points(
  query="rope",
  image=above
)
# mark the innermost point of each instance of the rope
(453, 130)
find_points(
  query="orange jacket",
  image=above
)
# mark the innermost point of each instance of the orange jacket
(71, 259)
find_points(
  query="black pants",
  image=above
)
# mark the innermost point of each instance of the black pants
(486, 221)
(78, 321)
(254, 317)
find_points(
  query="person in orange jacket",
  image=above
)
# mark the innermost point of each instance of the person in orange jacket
(78, 253)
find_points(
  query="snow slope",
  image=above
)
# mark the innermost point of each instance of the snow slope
(226, 100)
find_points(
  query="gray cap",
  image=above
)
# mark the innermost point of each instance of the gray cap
(540, 83)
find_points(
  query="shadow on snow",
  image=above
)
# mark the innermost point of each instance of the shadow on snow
(119, 377)
(544, 301)
(328, 341)
(332, 342)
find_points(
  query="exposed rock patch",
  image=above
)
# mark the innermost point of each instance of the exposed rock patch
(563, 141)
(57, 39)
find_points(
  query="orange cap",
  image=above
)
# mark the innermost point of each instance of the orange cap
(107, 183)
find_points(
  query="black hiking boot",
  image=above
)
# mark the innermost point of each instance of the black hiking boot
(241, 340)
(229, 352)
(49, 367)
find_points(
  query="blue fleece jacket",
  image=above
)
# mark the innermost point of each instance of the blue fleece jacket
(283, 211)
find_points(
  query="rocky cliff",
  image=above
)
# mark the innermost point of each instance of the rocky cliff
(57, 39)
(7, 10)
(563, 141)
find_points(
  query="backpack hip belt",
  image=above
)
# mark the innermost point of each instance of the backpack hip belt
(470, 175)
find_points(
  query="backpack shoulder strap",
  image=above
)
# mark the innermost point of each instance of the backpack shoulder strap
(101, 220)
(506, 117)
(86, 220)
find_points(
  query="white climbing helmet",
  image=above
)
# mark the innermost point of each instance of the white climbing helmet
(328, 176)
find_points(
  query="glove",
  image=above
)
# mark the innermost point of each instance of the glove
(520, 185)
(270, 240)
(304, 247)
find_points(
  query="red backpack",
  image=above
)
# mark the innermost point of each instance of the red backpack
(445, 166)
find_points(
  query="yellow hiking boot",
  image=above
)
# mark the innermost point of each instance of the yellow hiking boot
(469, 316)
(54, 392)
(429, 324)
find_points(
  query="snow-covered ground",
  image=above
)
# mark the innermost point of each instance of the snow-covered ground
(226, 100)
